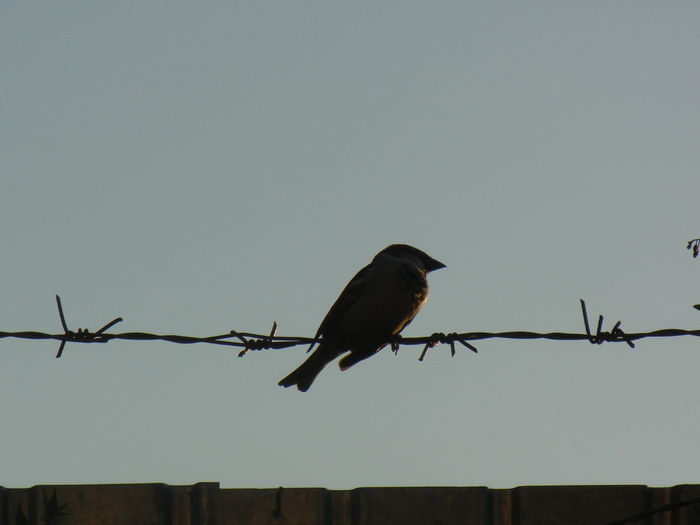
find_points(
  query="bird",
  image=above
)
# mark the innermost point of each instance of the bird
(378, 303)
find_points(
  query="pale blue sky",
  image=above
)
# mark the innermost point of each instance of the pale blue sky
(203, 167)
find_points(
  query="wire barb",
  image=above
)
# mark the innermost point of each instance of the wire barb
(83, 335)
(261, 343)
(441, 338)
(616, 334)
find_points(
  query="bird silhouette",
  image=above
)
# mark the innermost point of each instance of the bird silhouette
(379, 302)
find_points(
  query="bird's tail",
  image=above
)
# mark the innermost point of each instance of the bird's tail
(305, 375)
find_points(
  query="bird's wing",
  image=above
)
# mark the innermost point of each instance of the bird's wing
(351, 293)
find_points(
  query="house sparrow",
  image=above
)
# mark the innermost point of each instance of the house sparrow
(379, 302)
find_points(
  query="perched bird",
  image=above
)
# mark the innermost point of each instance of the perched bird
(376, 304)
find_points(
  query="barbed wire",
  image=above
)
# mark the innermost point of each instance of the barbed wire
(251, 341)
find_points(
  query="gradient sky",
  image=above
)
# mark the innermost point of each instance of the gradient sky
(198, 168)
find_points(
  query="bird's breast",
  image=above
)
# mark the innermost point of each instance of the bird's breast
(390, 300)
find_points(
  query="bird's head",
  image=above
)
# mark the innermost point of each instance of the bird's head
(416, 256)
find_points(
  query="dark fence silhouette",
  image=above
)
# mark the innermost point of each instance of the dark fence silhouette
(208, 504)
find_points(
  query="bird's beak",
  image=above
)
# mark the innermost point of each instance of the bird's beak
(433, 264)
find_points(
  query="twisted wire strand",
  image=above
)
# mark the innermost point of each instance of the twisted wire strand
(248, 341)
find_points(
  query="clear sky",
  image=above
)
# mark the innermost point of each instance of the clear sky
(202, 167)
